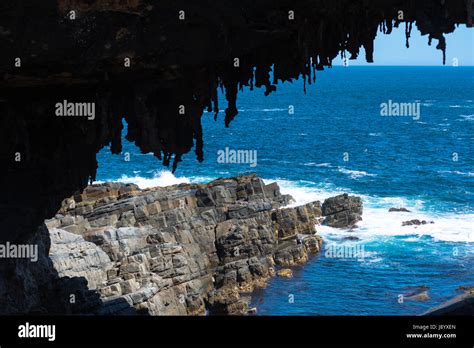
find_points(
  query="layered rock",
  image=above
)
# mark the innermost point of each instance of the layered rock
(186, 249)
(342, 211)
(174, 64)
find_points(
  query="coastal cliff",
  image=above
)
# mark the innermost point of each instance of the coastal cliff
(49, 56)
(186, 249)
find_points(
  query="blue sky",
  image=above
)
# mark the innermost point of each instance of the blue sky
(391, 49)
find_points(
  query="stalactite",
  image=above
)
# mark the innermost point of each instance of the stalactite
(167, 69)
(408, 27)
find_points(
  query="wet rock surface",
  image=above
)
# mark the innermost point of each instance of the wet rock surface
(396, 210)
(416, 222)
(342, 211)
(181, 250)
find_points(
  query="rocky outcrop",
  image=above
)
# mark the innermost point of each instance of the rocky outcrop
(180, 250)
(36, 288)
(342, 211)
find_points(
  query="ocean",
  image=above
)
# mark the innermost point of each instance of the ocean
(333, 139)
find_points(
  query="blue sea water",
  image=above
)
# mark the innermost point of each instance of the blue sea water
(337, 141)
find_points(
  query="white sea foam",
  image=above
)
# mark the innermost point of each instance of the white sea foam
(453, 227)
(161, 178)
(460, 106)
(272, 110)
(305, 194)
(467, 117)
(378, 221)
(253, 110)
(456, 172)
(354, 174)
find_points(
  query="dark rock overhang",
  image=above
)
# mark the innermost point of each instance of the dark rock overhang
(173, 63)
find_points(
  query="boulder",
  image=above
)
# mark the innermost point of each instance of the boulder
(342, 211)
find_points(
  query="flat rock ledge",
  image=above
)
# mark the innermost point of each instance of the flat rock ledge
(187, 249)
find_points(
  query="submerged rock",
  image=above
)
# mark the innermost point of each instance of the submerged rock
(468, 289)
(399, 210)
(416, 222)
(417, 293)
